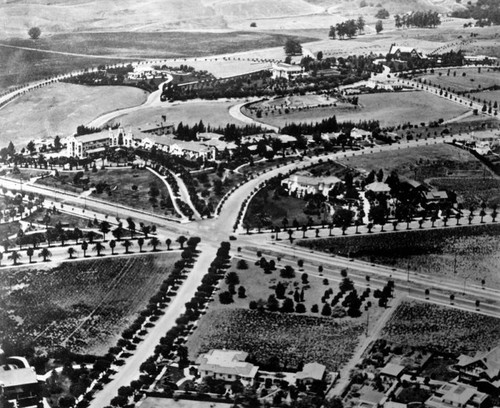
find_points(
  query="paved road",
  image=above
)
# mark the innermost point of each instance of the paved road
(235, 112)
(130, 371)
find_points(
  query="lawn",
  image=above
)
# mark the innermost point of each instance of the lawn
(389, 109)
(47, 307)
(473, 190)
(59, 108)
(473, 80)
(441, 328)
(489, 96)
(430, 252)
(418, 162)
(120, 187)
(290, 339)
(213, 113)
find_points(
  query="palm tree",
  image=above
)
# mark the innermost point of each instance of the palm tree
(445, 220)
(29, 253)
(357, 223)
(277, 230)
(433, 220)
(317, 232)
(304, 230)
(471, 217)
(427, 292)
(181, 240)
(140, 242)
(112, 245)
(104, 227)
(98, 247)
(77, 233)
(168, 242)
(421, 223)
(290, 233)
(369, 226)
(154, 242)
(1, 257)
(478, 304)
(14, 257)
(71, 252)
(84, 247)
(330, 227)
(127, 244)
(494, 214)
(395, 225)
(44, 253)
(452, 298)
(458, 216)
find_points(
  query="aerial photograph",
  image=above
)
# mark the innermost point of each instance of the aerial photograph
(249, 203)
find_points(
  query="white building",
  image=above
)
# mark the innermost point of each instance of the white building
(82, 146)
(227, 365)
(304, 183)
(287, 71)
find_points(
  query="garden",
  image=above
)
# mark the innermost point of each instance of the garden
(460, 253)
(277, 341)
(441, 328)
(82, 306)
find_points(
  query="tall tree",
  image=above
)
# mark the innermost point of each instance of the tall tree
(379, 26)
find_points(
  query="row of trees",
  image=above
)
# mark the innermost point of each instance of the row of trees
(419, 19)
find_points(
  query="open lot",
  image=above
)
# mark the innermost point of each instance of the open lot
(265, 336)
(59, 108)
(87, 303)
(126, 186)
(388, 108)
(420, 324)
(488, 96)
(474, 79)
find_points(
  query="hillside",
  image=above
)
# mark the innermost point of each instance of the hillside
(55, 16)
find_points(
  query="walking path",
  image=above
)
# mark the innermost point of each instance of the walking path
(235, 112)
(184, 194)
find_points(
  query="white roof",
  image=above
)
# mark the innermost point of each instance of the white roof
(230, 362)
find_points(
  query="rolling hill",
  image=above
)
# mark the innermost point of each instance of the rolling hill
(55, 16)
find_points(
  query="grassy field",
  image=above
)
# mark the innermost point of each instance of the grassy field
(449, 330)
(49, 304)
(473, 80)
(411, 162)
(429, 252)
(120, 182)
(59, 108)
(388, 108)
(214, 113)
(489, 96)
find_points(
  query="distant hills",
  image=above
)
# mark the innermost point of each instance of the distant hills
(16, 16)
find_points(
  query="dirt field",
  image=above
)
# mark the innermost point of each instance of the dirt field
(52, 302)
(59, 108)
(389, 108)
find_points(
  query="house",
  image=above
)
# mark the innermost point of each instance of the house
(456, 395)
(392, 371)
(311, 372)
(378, 187)
(287, 71)
(227, 365)
(303, 183)
(402, 53)
(435, 197)
(360, 134)
(205, 136)
(483, 369)
(18, 382)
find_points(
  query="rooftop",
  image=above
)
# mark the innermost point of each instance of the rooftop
(93, 137)
(227, 362)
(314, 370)
(12, 376)
(392, 370)
(378, 187)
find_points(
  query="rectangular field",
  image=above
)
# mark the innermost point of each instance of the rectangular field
(268, 336)
(472, 80)
(83, 304)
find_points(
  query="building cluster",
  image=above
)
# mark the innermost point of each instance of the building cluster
(476, 379)
(231, 365)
